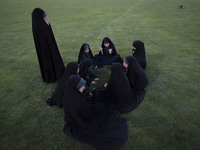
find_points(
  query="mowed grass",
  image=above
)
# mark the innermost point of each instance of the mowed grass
(169, 116)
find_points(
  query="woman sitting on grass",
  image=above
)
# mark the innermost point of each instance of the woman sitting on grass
(57, 96)
(138, 80)
(86, 53)
(138, 52)
(91, 122)
(117, 92)
(107, 54)
(86, 71)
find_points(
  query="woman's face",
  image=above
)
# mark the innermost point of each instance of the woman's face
(86, 50)
(82, 89)
(106, 44)
(133, 49)
(46, 20)
(125, 64)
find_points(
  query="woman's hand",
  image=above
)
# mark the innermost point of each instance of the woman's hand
(82, 89)
(105, 85)
(101, 50)
(110, 51)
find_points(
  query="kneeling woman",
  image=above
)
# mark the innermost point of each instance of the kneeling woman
(90, 122)
(117, 92)
(86, 71)
(139, 53)
(107, 54)
(137, 79)
(57, 96)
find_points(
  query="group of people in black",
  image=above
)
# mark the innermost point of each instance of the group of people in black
(93, 116)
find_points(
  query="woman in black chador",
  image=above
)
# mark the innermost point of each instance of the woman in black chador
(86, 71)
(138, 52)
(90, 122)
(108, 54)
(117, 92)
(137, 79)
(57, 96)
(86, 53)
(50, 61)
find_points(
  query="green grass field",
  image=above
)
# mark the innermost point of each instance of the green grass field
(169, 116)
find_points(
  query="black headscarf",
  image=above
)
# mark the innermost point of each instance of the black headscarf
(50, 61)
(71, 69)
(136, 74)
(81, 53)
(139, 53)
(111, 45)
(104, 129)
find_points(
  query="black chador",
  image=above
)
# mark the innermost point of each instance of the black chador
(137, 79)
(108, 54)
(86, 71)
(57, 95)
(91, 122)
(117, 94)
(139, 53)
(84, 53)
(50, 61)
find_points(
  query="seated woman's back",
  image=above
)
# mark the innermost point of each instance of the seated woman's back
(117, 93)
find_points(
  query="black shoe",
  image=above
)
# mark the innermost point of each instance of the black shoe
(50, 102)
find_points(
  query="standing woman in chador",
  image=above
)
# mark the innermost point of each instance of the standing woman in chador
(50, 61)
